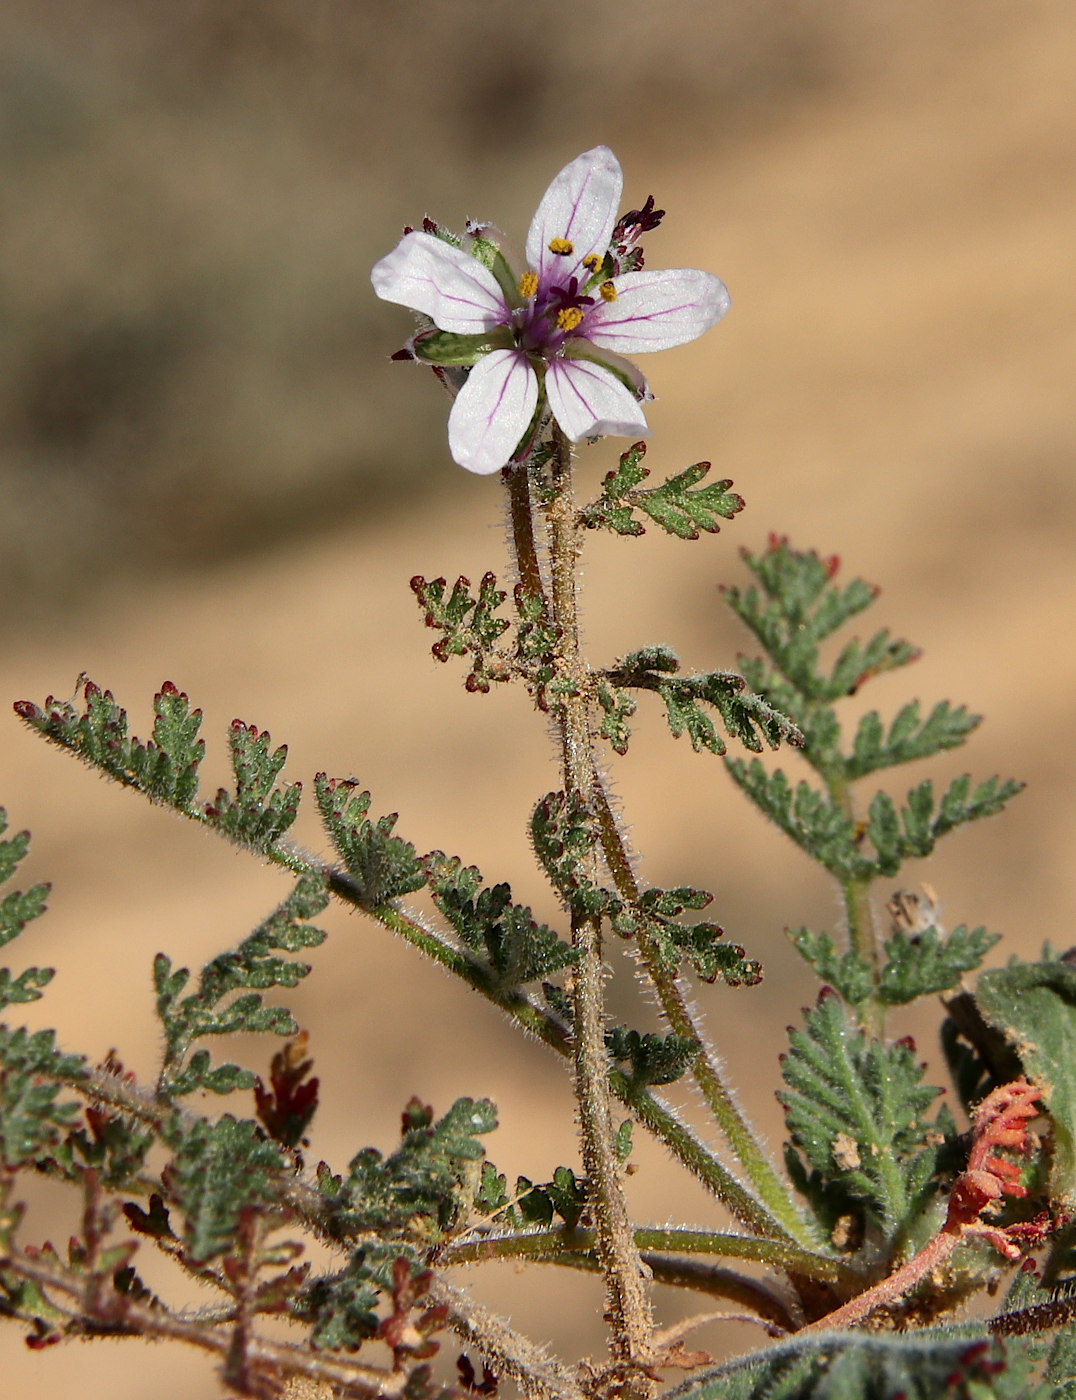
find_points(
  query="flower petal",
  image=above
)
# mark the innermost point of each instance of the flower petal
(492, 411)
(656, 310)
(581, 205)
(443, 282)
(631, 376)
(587, 401)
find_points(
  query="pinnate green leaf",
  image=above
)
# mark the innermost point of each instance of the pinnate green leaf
(508, 940)
(918, 964)
(926, 1365)
(469, 623)
(424, 1183)
(745, 716)
(811, 818)
(216, 1172)
(855, 1108)
(916, 829)
(679, 505)
(17, 909)
(654, 1059)
(796, 606)
(165, 768)
(563, 834)
(228, 998)
(847, 972)
(381, 864)
(924, 963)
(944, 728)
(258, 813)
(655, 916)
(32, 1120)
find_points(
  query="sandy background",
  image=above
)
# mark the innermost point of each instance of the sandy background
(212, 474)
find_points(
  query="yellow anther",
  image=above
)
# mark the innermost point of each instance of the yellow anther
(569, 318)
(528, 284)
(561, 246)
(608, 291)
(592, 262)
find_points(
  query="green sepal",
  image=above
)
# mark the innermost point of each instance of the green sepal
(450, 348)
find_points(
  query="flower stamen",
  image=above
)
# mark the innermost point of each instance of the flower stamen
(608, 291)
(528, 284)
(592, 262)
(563, 247)
(569, 318)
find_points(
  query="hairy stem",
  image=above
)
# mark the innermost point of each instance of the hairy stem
(513, 1355)
(625, 1275)
(560, 1244)
(706, 1068)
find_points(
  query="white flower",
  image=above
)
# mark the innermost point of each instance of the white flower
(553, 337)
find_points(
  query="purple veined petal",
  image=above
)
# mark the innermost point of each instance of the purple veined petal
(631, 376)
(587, 401)
(492, 411)
(581, 205)
(443, 282)
(657, 310)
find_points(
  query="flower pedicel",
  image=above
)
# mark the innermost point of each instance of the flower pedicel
(551, 340)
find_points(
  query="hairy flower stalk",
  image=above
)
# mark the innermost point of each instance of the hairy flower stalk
(625, 1276)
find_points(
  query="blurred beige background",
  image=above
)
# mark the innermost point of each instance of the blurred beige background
(211, 473)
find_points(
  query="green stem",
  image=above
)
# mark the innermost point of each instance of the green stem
(863, 936)
(555, 1243)
(706, 1068)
